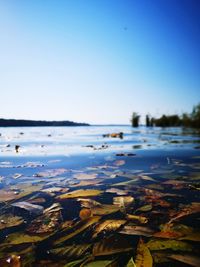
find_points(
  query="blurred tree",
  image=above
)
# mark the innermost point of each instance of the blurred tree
(135, 119)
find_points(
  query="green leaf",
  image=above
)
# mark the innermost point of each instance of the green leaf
(169, 244)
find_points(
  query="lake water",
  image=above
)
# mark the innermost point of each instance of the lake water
(69, 196)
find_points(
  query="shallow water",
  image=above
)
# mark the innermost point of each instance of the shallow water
(156, 170)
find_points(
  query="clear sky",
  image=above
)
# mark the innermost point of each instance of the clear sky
(97, 61)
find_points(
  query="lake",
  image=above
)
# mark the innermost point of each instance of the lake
(79, 196)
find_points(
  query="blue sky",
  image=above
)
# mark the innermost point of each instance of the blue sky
(97, 61)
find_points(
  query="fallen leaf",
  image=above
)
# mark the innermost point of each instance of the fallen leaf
(104, 209)
(101, 263)
(119, 162)
(108, 226)
(80, 193)
(143, 255)
(76, 229)
(85, 213)
(111, 246)
(145, 208)
(192, 260)
(7, 195)
(186, 211)
(36, 209)
(9, 220)
(85, 176)
(131, 263)
(137, 230)
(21, 238)
(72, 251)
(123, 201)
(141, 219)
(88, 203)
(117, 191)
(169, 244)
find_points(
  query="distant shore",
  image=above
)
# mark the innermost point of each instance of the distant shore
(33, 123)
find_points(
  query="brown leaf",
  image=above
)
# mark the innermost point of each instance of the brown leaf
(186, 258)
(186, 211)
(137, 230)
(110, 246)
(107, 226)
(85, 213)
(85, 176)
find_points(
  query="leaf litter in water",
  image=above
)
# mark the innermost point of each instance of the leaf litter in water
(175, 245)
(111, 245)
(21, 238)
(137, 230)
(108, 226)
(143, 255)
(146, 205)
(72, 251)
(36, 209)
(80, 193)
(190, 259)
(9, 220)
(78, 228)
(48, 222)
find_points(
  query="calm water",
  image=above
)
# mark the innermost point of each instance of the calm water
(158, 168)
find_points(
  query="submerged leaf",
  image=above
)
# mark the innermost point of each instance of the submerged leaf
(195, 236)
(72, 251)
(123, 201)
(104, 209)
(80, 193)
(119, 162)
(37, 209)
(186, 258)
(85, 214)
(107, 226)
(76, 263)
(85, 176)
(143, 255)
(131, 263)
(116, 191)
(76, 229)
(46, 223)
(88, 203)
(186, 211)
(102, 263)
(9, 220)
(141, 219)
(169, 244)
(145, 208)
(21, 238)
(110, 246)
(136, 230)
(7, 195)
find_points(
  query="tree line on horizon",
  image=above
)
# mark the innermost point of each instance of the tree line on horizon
(185, 120)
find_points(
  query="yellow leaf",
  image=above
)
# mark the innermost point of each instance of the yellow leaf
(143, 256)
(80, 193)
(108, 225)
(141, 219)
